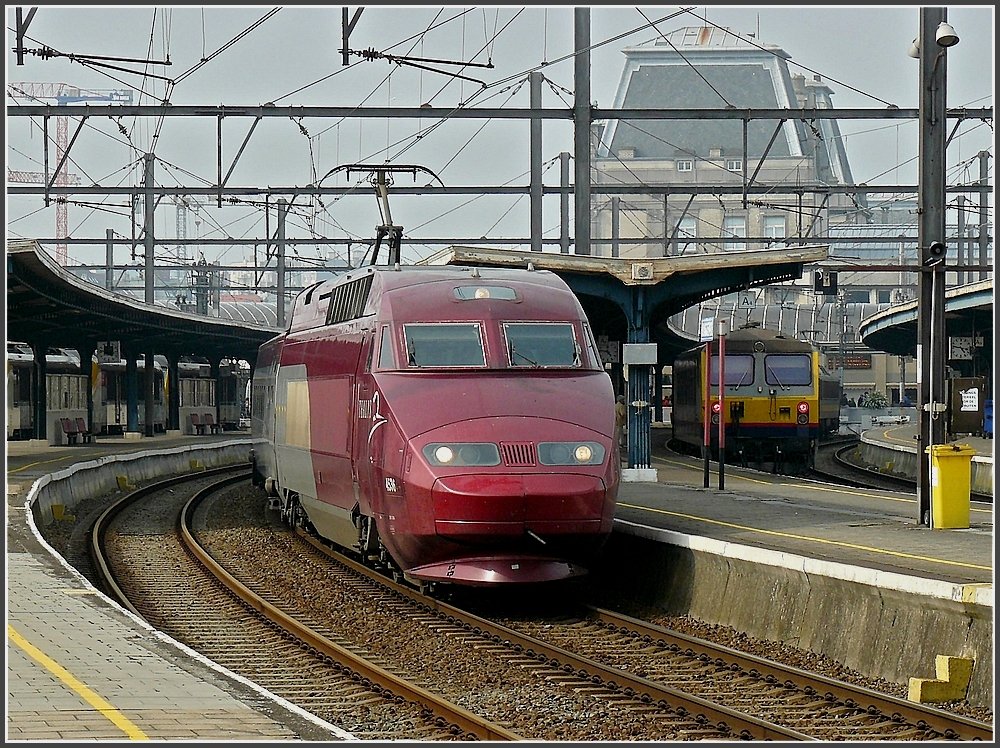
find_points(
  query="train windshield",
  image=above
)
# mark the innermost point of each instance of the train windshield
(788, 369)
(444, 344)
(739, 370)
(541, 344)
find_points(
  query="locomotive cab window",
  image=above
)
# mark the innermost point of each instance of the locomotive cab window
(787, 369)
(739, 370)
(385, 358)
(541, 344)
(444, 344)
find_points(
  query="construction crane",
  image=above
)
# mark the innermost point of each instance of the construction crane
(62, 94)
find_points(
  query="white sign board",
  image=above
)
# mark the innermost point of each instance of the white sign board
(748, 300)
(639, 353)
(707, 329)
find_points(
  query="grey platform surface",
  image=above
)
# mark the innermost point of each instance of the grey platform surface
(81, 668)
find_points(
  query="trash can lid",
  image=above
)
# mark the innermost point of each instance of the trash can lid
(950, 450)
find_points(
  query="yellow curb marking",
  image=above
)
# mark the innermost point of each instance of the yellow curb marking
(808, 538)
(115, 716)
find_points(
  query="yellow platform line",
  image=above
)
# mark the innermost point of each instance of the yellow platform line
(808, 538)
(863, 493)
(120, 720)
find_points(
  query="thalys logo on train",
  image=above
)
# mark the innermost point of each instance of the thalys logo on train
(370, 409)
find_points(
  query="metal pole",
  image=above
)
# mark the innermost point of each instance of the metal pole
(931, 230)
(581, 128)
(150, 205)
(706, 418)
(109, 260)
(564, 203)
(722, 404)
(962, 276)
(280, 303)
(984, 196)
(615, 226)
(150, 387)
(535, 86)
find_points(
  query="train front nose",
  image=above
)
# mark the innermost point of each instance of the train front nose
(490, 506)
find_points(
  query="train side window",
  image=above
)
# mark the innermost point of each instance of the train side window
(386, 360)
(787, 369)
(541, 344)
(444, 344)
(739, 370)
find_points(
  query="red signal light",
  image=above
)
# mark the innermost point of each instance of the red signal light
(803, 407)
(716, 407)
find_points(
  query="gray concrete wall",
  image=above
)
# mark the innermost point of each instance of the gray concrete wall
(892, 630)
(904, 462)
(86, 480)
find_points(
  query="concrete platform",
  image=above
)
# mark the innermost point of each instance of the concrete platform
(81, 668)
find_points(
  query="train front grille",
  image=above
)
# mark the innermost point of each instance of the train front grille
(518, 454)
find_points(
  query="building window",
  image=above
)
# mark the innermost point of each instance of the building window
(686, 234)
(734, 164)
(857, 296)
(774, 230)
(685, 164)
(734, 226)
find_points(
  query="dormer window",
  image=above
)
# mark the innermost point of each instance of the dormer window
(685, 164)
(734, 164)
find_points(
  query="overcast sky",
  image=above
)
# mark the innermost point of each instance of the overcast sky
(292, 58)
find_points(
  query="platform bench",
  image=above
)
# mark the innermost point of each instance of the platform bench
(70, 430)
(208, 420)
(196, 423)
(82, 431)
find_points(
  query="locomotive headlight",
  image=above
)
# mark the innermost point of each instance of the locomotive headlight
(462, 454)
(570, 453)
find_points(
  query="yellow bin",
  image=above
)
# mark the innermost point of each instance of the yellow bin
(950, 478)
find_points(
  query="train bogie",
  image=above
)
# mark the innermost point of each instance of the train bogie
(453, 424)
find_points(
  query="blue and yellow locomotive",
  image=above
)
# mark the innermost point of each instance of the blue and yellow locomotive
(779, 399)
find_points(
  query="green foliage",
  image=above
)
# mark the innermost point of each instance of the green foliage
(876, 401)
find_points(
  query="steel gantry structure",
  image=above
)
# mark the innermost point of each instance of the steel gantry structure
(63, 94)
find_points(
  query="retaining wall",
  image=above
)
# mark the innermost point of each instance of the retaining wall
(85, 480)
(903, 461)
(889, 625)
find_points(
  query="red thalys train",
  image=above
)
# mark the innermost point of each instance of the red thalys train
(451, 424)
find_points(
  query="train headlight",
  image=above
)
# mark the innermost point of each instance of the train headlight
(803, 407)
(570, 453)
(462, 454)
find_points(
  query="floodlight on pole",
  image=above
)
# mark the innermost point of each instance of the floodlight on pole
(946, 36)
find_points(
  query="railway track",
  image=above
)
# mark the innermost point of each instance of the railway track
(836, 463)
(589, 675)
(150, 559)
